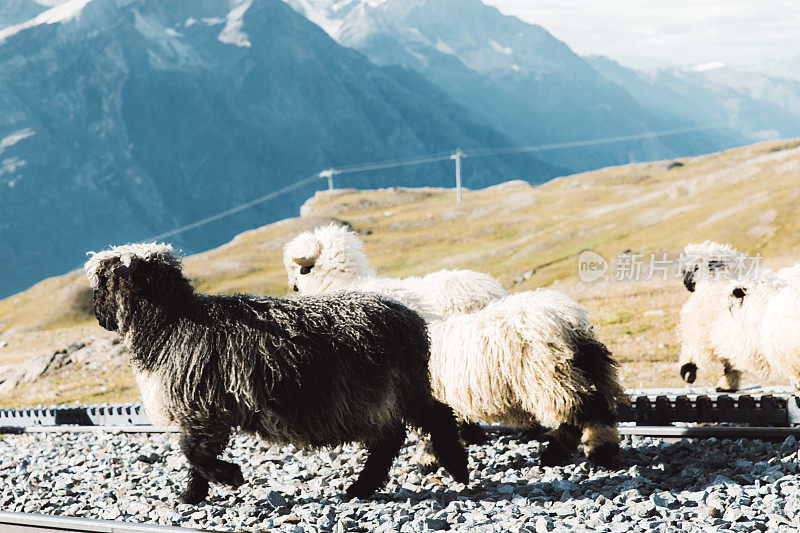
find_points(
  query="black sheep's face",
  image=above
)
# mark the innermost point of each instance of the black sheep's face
(688, 278)
(110, 279)
(737, 297)
(304, 270)
(104, 307)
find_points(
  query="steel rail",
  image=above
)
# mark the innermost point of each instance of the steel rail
(688, 432)
(88, 429)
(705, 432)
(39, 523)
(772, 412)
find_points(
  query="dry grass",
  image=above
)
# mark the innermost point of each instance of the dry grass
(526, 236)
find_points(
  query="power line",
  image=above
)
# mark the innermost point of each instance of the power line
(591, 142)
(381, 165)
(420, 160)
(325, 174)
(238, 208)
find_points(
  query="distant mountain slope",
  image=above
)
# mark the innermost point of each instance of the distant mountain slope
(757, 105)
(781, 67)
(513, 75)
(123, 119)
(18, 11)
(527, 236)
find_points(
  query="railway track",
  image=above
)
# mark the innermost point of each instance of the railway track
(761, 413)
(39, 523)
(767, 414)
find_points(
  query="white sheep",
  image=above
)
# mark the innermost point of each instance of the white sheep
(530, 358)
(704, 318)
(524, 359)
(764, 313)
(734, 315)
(332, 258)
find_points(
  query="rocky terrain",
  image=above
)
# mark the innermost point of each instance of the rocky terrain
(706, 485)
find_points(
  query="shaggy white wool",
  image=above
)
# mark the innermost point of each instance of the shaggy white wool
(702, 314)
(717, 328)
(790, 274)
(765, 316)
(125, 253)
(512, 362)
(332, 258)
(154, 396)
(728, 260)
(703, 320)
(780, 339)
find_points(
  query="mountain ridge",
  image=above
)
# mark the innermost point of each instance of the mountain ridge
(513, 75)
(132, 118)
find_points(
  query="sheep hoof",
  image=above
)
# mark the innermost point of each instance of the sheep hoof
(472, 433)
(193, 497)
(605, 455)
(689, 372)
(196, 488)
(726, 389)
(359, 490)
(553, 455)
(228, 474)
(460, 475)
(236, 478)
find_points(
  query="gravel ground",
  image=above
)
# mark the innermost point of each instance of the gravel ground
(704, 485)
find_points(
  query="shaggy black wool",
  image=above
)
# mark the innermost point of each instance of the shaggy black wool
(311, 371)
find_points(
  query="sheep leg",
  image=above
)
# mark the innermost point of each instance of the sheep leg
(563, 442)
(196, 487)
(201, 446)
(730, 380)
(427, 461)
(600, 437)
(601, 444)
(471, 432)
(438, 421)
(376, 470)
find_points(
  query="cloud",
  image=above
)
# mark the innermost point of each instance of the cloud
(743, 32)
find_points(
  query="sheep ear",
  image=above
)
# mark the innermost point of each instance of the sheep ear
(306, 250)
(127, 265)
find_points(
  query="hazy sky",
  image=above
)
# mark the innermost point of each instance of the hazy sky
(682, 32)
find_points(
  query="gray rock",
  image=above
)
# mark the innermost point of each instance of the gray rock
(111, 475)
(543, 525)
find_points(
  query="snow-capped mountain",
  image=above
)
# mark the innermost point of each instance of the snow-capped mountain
(17, 11)
(122, 119)
(756, 106)
(786, 67)
(513, 75)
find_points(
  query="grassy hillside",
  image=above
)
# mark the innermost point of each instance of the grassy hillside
(526, 236)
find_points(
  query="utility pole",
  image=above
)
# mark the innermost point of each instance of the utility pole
(330, 173)
(457, 156)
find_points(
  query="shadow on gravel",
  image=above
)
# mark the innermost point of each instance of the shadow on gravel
(648, 467)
